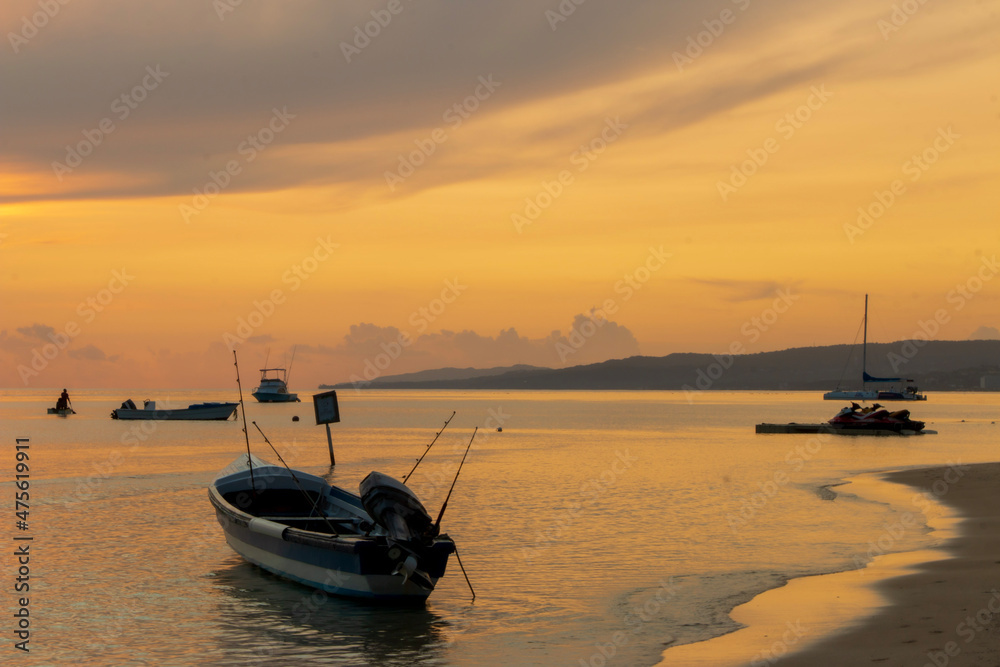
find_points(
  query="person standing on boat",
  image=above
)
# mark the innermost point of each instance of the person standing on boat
(63, 401)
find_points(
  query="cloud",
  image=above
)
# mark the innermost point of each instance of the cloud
(89, 353)
(744, 290)
(221, 76)
(985, 333)
(608, 340)
(15, 344)
(39, 331)
(391, 351)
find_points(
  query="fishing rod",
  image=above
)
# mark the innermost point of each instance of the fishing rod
(446, 422)
(464, 573)
(291, 363)
(437, 524)
(296, 480)
(243, 412)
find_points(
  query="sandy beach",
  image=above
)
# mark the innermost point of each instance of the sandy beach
(931, 608)
(945, 613)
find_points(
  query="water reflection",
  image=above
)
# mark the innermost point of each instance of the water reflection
(263, 618)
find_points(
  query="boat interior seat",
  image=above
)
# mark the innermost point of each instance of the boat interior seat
(275, 502)
(342, 525)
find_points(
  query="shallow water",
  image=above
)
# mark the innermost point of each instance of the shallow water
(595, 521)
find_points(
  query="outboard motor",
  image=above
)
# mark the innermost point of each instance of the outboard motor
(392, 505)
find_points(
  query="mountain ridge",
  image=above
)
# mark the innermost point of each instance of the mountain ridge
(936, 365)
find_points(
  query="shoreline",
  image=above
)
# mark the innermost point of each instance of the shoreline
(933, 607)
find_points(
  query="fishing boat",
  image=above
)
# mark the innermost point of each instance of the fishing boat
(893, 389)
(380, 544)
(195, 411)
(64, 407)
(854, 418)
(273, 387)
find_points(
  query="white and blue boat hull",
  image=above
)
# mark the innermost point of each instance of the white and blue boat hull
(359, 561)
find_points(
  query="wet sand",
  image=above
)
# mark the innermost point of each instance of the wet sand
(947, 612)
(933, 608)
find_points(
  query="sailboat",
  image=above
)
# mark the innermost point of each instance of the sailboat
(895, 391)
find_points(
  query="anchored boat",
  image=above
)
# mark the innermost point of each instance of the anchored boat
(273, 387)
(380, 544)
(893, 389)
(195, 411)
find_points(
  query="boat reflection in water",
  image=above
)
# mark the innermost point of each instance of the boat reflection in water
(267, 620)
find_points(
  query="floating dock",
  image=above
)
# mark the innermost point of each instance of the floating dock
(826, 428)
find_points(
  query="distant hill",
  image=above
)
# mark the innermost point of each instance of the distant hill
(934, 365)
(442, 375)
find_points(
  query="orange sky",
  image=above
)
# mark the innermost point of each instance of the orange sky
(557, 167)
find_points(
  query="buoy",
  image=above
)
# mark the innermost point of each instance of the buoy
(295, 418)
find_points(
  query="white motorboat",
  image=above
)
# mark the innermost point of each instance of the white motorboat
(273, 387)
(195, 411)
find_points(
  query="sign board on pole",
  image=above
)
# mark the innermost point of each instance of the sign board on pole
(327, 409)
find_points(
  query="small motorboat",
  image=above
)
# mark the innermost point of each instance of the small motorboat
(875, 418)
(62, 412)
(381, 544)
(273, 387)
(195, 411)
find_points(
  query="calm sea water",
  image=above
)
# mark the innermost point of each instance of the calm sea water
(630, 519)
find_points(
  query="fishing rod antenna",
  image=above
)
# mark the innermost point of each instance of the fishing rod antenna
(437, 524)
(288, 373)
(436, 436)
(465, 574)
(243, 411)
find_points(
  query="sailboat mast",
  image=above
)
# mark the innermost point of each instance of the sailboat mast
(864, 348)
